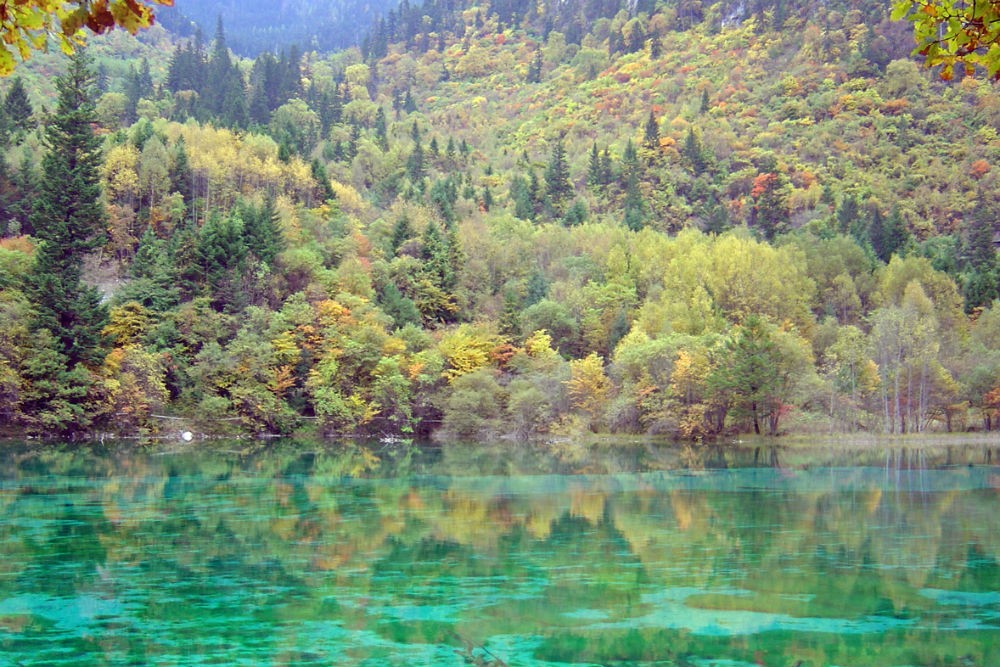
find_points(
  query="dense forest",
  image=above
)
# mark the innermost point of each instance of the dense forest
(256, 26)
(521, 220)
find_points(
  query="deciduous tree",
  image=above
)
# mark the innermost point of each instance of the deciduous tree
(26, 25)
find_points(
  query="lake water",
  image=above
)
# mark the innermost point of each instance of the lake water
(392, 555)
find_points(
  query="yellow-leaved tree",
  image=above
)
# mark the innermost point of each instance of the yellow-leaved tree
(27, 25)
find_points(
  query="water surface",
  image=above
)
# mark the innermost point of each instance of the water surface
(395, 556)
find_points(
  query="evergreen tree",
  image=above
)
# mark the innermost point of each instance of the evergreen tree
(651, 135)
(258, 108)
(381, 136)
(747, 377)
(535, 68)
(524, 208)
(402, 231)
(607, 170)
(262, 231)
(536, 289)
(770, 212)
(444, 193)
(351, 150)
(68, 220)
(222, 253)
(415, 163)
(138, 85)
(226, 97)
(179, 173)
(188, 67)
(17, 107)
(694, 152)
(409, 105)
(848, 215)
(509, 324)
(324, 189)
(982, 274)
(557, 184)
(20, 200)
(400, 308)
(888, 236)
(655, 47)
(980, 253)
(576, 214)
(154, 279)
(635, 205)
(594, 167)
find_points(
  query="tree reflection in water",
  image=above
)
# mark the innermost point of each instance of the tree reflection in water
(485, 555)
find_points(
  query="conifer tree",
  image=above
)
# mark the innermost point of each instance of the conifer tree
(635, 206)
(557, 184)
(322, 179)
(222, 253)
(747, 377)
(655, 47)
(179, 173)
(262, 231)
(381, 137)
(409, 105)
(889, 235)
(594, 167)
(848, 214)
(402, 231)
(17, 107)
(535, 68)
(415, 162)
(982, 277)
(68, 219)
(154, 279)
(694, 152)
(651, 136)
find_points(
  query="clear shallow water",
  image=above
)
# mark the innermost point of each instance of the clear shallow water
(396, 557)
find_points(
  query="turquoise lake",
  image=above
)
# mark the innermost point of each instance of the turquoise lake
(394, 555)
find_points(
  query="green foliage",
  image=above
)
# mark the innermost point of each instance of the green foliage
(17, 107)
(474, 406)
(221, 254)
(68, 219)
(557, 184)
(631, 204)
(950, 33)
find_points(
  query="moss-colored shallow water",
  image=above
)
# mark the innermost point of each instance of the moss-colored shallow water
(396, 557)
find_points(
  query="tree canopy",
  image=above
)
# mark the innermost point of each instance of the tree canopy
(951, 32)
(27, 25)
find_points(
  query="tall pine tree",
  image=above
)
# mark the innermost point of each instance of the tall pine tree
(68, 219)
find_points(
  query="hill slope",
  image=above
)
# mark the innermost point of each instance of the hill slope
(255, 26)
(652, 221)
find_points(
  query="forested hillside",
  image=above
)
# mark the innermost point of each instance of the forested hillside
(256, 26)
(514, 219)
